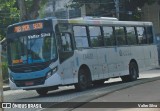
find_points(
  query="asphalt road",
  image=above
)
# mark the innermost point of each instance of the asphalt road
(68, 93)
(145, 97)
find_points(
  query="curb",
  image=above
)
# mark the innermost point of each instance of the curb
(6, 88)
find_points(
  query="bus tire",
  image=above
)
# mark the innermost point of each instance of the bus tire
(133, 73)
(42, 91)
(84, 79)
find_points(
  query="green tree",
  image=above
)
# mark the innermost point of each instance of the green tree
(134, 6)
(8, 15)
(29, 8)
(12, 11)
(107, 7)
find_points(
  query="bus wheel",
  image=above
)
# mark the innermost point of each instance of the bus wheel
(42, 91)
(84, 80)
(133, 73)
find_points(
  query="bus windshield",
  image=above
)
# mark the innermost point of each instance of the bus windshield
(32, 49)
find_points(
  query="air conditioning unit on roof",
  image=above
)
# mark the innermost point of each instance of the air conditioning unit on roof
(96, 18)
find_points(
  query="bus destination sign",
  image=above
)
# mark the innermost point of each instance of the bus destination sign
(28, 27)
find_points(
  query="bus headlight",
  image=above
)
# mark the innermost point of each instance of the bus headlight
(51, 72)
(11, 78)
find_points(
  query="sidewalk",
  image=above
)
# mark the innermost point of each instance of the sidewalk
(148, 92)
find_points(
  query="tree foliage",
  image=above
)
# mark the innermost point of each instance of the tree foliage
(108, 6)
(134, 3)
(29, 8)
(12, 11)
(8, 15)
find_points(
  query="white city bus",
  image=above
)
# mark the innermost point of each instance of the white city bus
(44, 54)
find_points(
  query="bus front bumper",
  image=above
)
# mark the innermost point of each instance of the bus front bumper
(54, 80)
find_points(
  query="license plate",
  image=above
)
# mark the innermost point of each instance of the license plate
(29, 83)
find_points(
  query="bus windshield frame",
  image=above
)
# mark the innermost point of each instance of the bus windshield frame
(32, 46)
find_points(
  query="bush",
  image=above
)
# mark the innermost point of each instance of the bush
(5, 72)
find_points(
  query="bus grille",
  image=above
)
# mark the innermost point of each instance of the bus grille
(34, 82)
(24, 69)
(29, 67)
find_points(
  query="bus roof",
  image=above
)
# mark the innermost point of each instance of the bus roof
(90, 21)
(102, 20)
(107, 22)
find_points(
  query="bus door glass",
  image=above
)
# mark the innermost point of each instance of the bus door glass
(66, 47)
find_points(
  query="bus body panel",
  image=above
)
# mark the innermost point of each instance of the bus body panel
(67, 71)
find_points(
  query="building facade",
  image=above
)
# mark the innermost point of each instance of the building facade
(152, 13)
(61, 9)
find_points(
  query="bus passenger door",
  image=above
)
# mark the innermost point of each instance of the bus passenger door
(66, 59)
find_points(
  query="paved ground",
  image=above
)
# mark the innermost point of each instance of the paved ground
(146, 89)
(148, 92)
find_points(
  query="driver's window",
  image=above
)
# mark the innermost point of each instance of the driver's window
(66, 42)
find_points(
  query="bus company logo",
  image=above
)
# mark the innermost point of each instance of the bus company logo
(125, 53)
(6, 105)
(88, 56)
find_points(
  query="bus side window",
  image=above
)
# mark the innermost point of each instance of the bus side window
(109, 39)
(142, 39)
(149, 34)
(131, 35)
(120, 35)
(95, 36)
(80, 34)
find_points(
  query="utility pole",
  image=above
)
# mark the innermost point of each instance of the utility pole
(1, 80)
(117, 8)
